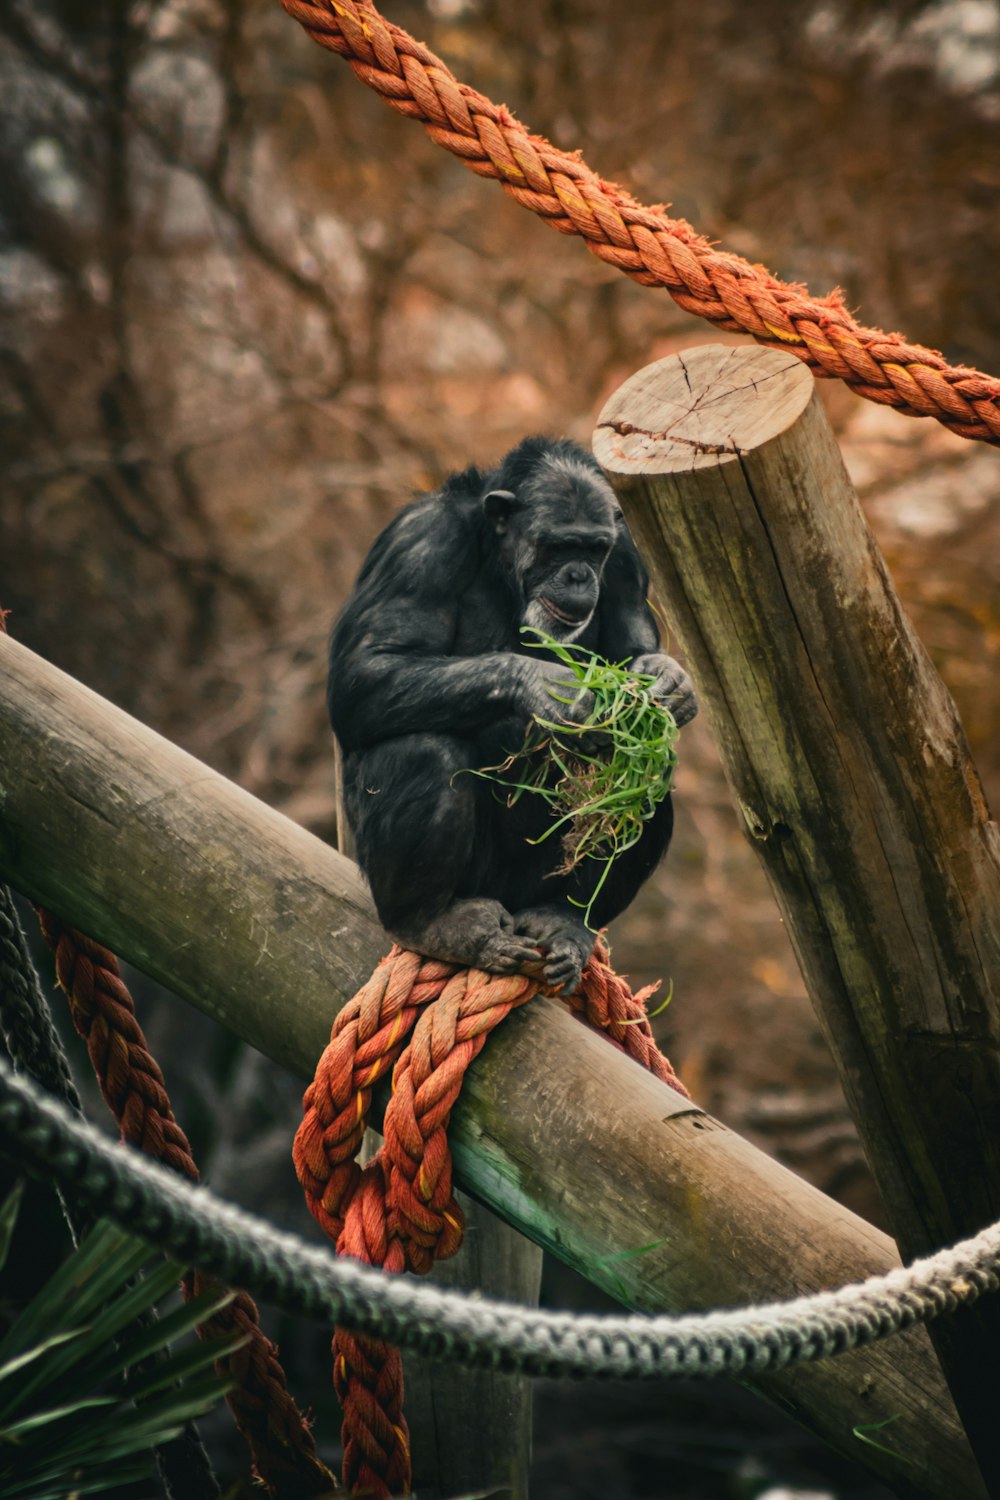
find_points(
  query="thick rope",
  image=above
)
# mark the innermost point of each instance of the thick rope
(195, 1227)
(644, 242)
(400, 1212)
(606, 1003)
(103, 1011)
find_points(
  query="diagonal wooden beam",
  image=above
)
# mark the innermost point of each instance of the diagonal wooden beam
(267, 930)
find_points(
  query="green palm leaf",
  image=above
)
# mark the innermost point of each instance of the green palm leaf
(88, 1386)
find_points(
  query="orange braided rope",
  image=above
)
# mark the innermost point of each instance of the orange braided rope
(401, 1212)
(283, 1448)
(644, 242)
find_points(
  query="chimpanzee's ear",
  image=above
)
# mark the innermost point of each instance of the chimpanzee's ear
(498, 507)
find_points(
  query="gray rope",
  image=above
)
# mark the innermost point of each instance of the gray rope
(196, 1227)
(30, 1036)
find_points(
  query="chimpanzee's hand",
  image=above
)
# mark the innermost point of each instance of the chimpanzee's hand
(673, 687)
(554, 694)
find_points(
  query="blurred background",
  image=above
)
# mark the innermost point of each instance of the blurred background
(246, 311)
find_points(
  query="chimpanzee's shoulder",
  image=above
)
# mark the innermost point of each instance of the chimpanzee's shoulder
(453, 514)
(457, 505)
(430, 541)
(464, 489)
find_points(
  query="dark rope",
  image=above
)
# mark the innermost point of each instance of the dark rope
(32, 1042)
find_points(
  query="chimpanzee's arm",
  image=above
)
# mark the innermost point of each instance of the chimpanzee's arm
(391, 671)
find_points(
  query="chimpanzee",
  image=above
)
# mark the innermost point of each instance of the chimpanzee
(430, 677)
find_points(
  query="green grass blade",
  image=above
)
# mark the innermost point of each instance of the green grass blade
(600, 800)
(15, 1432)
(180, 1367)
(98, 1264)
(91, 1346)
(20, 1360)
(142, 1342)
(57, 1483)
(8, 1219)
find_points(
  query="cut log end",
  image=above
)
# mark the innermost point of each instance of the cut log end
(700, 409)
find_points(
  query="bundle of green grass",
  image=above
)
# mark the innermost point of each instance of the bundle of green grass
(599, 798)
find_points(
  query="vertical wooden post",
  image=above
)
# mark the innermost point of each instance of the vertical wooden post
(471, 1428)
(853, 778)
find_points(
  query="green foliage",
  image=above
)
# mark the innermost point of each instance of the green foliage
(601, 797)
(86, 1387)
(864, 1428)
(606, 1263)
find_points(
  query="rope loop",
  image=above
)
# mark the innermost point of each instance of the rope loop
(427, 1021)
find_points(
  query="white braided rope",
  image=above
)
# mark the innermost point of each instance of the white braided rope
(196, 1227)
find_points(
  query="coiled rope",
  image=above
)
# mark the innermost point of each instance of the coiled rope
(645, 243)
(196, 1227)
(426, 1022)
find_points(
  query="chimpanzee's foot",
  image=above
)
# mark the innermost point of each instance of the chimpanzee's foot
(477, 933)
(565, 940)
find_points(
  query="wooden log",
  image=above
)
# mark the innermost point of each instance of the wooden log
(852, 773)
(267, 930)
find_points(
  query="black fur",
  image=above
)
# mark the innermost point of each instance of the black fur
(430, 677)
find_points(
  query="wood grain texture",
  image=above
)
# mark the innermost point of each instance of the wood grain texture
(852, 775)
(472, 1428)
(266, 929)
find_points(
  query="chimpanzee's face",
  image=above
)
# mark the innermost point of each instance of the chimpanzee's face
(555, 536)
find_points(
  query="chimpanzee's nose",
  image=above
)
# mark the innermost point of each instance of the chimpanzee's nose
(577, 573)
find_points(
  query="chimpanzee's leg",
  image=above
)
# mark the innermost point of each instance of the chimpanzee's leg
(564, 938)
(629, 871)
(423, 837)
(559, 926)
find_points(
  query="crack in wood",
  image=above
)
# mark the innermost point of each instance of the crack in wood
(627, 429)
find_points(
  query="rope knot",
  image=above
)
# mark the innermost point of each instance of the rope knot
(400, 1212)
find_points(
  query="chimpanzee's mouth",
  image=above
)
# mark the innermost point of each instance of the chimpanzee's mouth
(561, 615)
